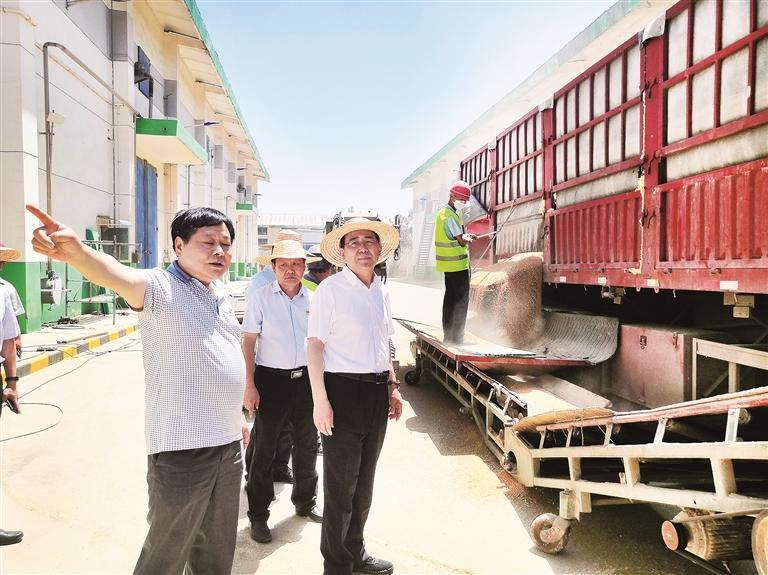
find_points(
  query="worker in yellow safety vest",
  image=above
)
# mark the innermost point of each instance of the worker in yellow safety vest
(316, 271)
(452, 258)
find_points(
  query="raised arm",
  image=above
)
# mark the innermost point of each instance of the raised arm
(55, 240)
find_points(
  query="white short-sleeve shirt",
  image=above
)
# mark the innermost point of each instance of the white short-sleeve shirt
(9, 327)
(281, 323)
(18, 307)
(354, 322)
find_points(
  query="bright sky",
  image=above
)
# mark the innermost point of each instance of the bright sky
(344, 100)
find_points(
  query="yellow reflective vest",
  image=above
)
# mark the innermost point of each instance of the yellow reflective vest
(309, 284)
(450, 255)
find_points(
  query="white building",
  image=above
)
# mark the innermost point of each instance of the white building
(134, 106)
(310, 227)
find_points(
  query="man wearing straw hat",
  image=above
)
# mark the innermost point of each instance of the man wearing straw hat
(8, 255)
(195, 383)
(452, 258)
(281, 469)
(354, 387)
(277, 384)
(267, 275)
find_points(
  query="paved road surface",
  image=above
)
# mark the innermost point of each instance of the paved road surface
(442, 503)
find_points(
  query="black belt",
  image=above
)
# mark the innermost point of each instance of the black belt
(376, 378)
(296, 373)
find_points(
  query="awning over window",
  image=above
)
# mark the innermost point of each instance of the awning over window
(165, 141)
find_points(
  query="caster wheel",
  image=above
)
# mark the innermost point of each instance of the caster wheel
(413, 377)
(760, 542)
(550, 532)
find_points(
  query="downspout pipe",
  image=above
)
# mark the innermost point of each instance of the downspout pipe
(49, 124)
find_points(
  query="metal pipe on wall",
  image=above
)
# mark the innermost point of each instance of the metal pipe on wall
(49, 123)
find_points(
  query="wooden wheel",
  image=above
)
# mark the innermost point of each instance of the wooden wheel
(760, 542)
(550, 532)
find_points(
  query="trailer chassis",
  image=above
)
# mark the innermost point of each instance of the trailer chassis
(646, 455)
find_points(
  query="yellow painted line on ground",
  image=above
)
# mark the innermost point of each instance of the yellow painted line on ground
(38, 363)
(68, 351)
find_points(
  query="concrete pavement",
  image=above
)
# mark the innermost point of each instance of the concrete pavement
(442, 503)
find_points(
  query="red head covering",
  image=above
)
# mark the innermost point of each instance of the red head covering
(460, 190)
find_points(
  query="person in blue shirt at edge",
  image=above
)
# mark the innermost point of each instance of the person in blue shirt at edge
(281, 469)
(195, 383)
(452, 258)
(316, 271)
(8, 255)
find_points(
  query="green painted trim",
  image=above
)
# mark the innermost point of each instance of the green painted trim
(172, 128)
(232, 271)
(197, 18)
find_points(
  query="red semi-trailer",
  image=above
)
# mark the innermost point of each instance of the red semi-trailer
(644, 183)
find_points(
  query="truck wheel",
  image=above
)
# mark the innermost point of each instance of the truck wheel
(760, 542)
(413, 377)
(550, 532)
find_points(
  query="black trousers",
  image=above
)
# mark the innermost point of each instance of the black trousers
(282, 454)
(282, 400)
(350, 455)
(455, 305)
(194, 503)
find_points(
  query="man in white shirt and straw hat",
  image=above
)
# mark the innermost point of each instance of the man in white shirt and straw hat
(281, 469)
(354, 387)
(277, 385)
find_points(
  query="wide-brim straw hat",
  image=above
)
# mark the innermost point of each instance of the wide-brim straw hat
(282, 235)
(8, 254)
(388, 237)
(290, 249)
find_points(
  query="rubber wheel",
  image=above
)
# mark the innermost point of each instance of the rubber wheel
(760, 542)
(412, 377)
(546, 539)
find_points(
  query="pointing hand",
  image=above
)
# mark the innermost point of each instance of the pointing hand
(54, 239)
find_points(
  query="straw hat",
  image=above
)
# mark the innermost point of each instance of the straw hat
(286, 249)
(321, 264)
(8, 254)
(285, 234)
(388, 236)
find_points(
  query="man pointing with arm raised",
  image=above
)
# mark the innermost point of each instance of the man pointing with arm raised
(195, 379)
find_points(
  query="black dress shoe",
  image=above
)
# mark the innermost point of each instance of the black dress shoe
(260, 532)
(313, 514)
(282, 476)
(374, 566)
(10, 537)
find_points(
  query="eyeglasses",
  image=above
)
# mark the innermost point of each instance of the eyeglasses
(358, 243)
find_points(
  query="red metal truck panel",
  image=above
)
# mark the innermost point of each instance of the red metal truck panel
(519, 160)
(601, 234)
(651, 168)
(715, 220)
(474, 171)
